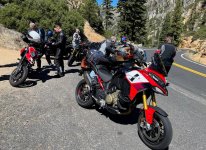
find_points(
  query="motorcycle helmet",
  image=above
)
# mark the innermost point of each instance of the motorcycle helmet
(49, 33)
(33, 36)
(124, 39)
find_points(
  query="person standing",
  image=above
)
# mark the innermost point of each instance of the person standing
(60, 45)
(167, 52)
(47, 47)
(76, 39)
(41, 46)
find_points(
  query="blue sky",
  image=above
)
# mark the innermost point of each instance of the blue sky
(114, 2)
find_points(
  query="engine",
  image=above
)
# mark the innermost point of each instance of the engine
(111, 99)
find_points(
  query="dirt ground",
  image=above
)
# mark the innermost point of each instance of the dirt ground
(197, 58)
(91, 34)
(8, 59)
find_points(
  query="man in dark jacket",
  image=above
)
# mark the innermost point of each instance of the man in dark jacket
(167, 52)
(60, 47)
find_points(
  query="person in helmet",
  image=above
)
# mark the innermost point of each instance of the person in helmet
(76, 39)
(123, 41)
(48, 41)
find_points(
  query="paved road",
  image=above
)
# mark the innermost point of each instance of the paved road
(46, 115)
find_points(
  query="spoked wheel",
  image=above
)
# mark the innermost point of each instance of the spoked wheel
(159, 135)
(18, 76)
(83, 95)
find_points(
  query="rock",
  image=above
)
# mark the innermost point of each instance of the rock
(10, 39)
(195, 44)
(91, 35)
(186, 42)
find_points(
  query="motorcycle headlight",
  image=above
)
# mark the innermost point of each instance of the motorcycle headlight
(33, 54)
(157, 80)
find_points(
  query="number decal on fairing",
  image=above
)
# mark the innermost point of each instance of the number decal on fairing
(135, 77)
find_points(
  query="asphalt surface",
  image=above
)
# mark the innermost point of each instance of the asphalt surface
(44, 115)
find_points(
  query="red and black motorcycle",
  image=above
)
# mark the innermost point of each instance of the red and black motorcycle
(28, 56)
(154, 127)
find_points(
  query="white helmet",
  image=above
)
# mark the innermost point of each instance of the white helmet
(34, 36)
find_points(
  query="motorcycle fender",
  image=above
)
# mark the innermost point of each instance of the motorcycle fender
(149, 113)
(159, 111)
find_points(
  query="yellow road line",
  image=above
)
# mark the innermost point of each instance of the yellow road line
(190, 70)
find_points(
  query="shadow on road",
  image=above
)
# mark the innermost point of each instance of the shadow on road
(122, 119)
(4, 77)
(72, 71)
(35, 76)
(77, 64)
(9, 65)
(43, 76)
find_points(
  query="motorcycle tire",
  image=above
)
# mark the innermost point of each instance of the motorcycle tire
(71, 60)
(154, 138)
(83, 95)
(22, 77)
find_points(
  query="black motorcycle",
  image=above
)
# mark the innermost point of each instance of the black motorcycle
(77, 54)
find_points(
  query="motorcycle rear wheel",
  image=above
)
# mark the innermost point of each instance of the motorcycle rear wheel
(83, 95)
(160, 136)
(17, 78)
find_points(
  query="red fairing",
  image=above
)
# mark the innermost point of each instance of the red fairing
(146, 72)
(137, 83)
(134, 89)
(149, 113)
(140, 80)
(161, 76)
(22, 50)
(29, 54)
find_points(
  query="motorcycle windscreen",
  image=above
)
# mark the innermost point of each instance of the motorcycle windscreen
(34, 36)
(158, 65)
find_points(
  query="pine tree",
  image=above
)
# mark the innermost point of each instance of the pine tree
(177, 22)
(133, 19)
(166, 27)
(91, 12)
(107, 8)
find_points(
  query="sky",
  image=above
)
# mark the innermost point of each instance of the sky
(114, 2)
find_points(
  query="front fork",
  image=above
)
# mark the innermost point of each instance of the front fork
(149, 112)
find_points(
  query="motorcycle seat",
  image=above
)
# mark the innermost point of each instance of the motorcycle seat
(104, 73)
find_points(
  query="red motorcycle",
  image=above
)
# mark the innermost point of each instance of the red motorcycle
(28, 56)
(154, 127)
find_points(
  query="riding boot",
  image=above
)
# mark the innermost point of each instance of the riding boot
(38, 64)
(61, 72)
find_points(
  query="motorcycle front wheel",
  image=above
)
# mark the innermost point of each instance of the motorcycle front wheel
(18, 76)
(83, 95)
(159, 136)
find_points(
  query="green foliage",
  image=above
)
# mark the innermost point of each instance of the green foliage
(199, 34)
(166, 27)
(108, 33)
(194, 15)
(133, 19)
(107, 8)
(45, 12)
(91, 12)
(17, 13)
(177, 22)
